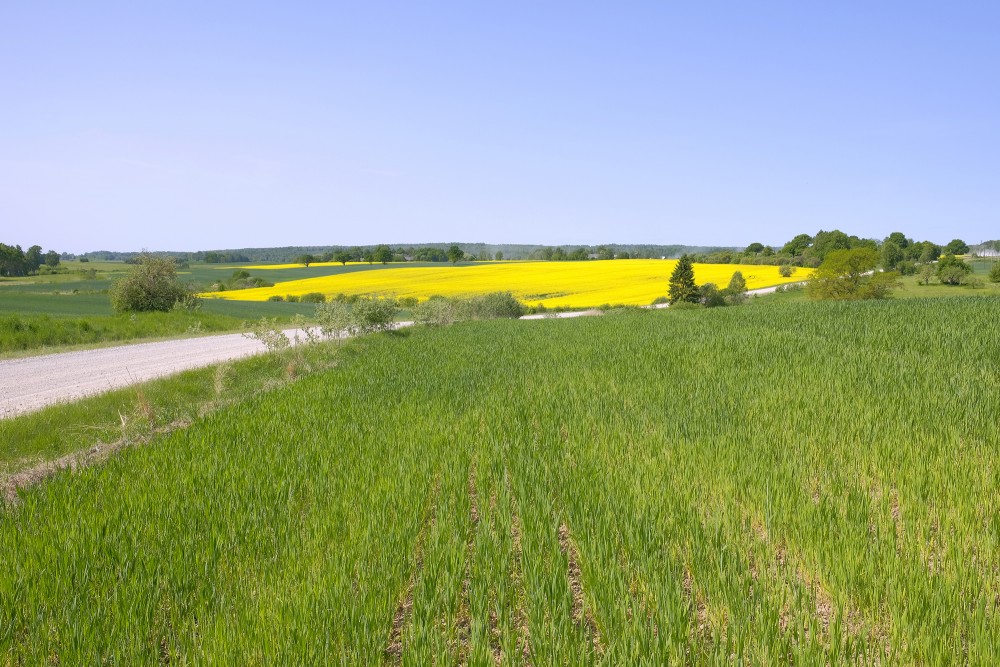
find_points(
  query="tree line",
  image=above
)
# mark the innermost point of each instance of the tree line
(17, 262)
(897, 251)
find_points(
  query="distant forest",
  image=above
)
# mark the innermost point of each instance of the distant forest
(432, 252)
(803, 250)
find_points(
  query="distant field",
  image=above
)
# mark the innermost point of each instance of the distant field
(800, 484)
(552, 284)
(72, 309)
(912, 289)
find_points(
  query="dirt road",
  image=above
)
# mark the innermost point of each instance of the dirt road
(32, 383)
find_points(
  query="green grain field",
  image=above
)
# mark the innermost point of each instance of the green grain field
(805, 484)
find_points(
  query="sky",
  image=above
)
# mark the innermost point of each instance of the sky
(186, 126)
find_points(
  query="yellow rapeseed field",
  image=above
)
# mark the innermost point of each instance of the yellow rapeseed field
(554, 284)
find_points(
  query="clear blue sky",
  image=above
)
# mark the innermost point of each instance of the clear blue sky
(176, 125)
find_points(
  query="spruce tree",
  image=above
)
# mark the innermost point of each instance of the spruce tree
(682, 287)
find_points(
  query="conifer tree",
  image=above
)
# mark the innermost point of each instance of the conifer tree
(682, 287)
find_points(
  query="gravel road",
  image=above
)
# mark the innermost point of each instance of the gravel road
(32, 383)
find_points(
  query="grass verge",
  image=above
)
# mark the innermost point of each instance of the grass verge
(137, 413)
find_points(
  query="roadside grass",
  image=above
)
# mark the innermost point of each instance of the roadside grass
(136, 413)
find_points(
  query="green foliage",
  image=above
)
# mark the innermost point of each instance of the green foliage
(736, 291)
(437, 311)
(455, 254)
(372, 315)
(313, 297)
(151, 284)
(797, 245)
(892, 255)
(383, 254)
(956, 247)
(995, 273)
(710, 296)
(786, 270)
(851, 275)
(952, 271)
(441, 310)
(682, 285)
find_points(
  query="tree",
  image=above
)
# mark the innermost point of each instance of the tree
(786, 270)
(899, 238)
(929, 252)
(499, 256)
(604, 252)
(892, 254)
(12, 261)
(951, 270)
(52, 259)
(754, 248)
(343, 257)
(826, 242)
(926, 273)
(455, 254)
(305, 260)
(383, 254)
(797, 245)
(736, 292)
(33, 258)
(850, 274)
(995, 273)
(151, 284)
(682, 286)
(956, 247)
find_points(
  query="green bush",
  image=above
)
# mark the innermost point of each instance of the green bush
(151, 284)
(276, 297)
(995, 273)
(313, 297)
(373, 314)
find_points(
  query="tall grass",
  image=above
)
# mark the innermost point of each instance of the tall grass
(806, 484)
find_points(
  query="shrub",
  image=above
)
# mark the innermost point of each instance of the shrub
(907, 268)
(995, 273)
(151, 284)
(952, 271)
(313, 297)
(436, 310)
(292, 298)
(275, 297)
(736, 292)
(710, 295)
(334, 319)
(786, 270)
(496, 305)
(660, 299)
(371, 315)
